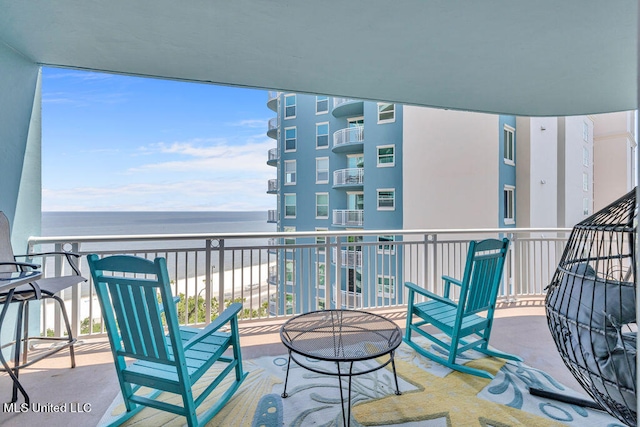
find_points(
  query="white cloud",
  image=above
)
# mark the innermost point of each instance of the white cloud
(220, 156)
(251, 123)
(224, 195)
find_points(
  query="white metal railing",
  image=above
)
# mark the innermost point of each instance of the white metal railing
(272, 186)
(348, 136)
(348, 257)
(272, 95)
(280, 274)
(338, 101)
(272, 215)
(273, 124)
(352, 176)
(348, 217)
(272, 154)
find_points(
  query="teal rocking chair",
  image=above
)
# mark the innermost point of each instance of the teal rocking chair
(135, 295)
(467, 322)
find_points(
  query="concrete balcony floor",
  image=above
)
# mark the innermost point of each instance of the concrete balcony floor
(519, 328)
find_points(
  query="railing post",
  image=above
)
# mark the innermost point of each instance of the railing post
(207, 280)
(57, 271)
(76, 296)
(511, 277)
(338, 263)
(430, 262)
(221, 273)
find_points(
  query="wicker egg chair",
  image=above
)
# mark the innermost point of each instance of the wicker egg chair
(591, 307)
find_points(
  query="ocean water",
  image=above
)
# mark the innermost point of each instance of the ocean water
(127, 223)
(136, 223)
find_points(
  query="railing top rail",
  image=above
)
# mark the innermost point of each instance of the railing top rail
(33, 240)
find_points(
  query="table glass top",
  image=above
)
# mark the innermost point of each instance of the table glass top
(341, 335)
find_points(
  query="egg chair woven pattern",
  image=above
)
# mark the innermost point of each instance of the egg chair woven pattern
(591, 307)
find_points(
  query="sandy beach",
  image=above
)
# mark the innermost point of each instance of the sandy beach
(250, 283)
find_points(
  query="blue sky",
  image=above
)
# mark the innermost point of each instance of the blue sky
(120, 143)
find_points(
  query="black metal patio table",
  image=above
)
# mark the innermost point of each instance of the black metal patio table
(344, 337)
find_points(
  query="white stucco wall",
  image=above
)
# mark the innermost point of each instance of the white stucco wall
(615, 144)
(20, 118)
(536, 171)
(450, 174)
(571, 143)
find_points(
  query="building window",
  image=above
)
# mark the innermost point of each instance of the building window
(321, 240)
(322, 135)
(585, 131)
(290, 139)
(321, 275)
(386, 248)
(290, 205)
(322, 170)
(386, 155)
(509, 204)
(288, 241)
(322, 205)
(386, 112)
(289, 172)
(585, 156)
(585, 181)
(508, 134)
(386, 199)
(289, 106)
(289, 273)
(386, 286)
(322, 104)
(585, 206)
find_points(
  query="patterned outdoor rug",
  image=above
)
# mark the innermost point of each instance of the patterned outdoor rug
(432, 395)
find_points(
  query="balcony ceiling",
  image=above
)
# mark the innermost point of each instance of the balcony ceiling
(543, 57)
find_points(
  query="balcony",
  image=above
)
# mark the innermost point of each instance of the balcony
(348, 178)
(272, 186)
(272, 159)
(273, 275)
(348, 217)
(427, 255)
(272, 215)
(349, 140)
(272, 131)
(347, 107)
(272, 100)
(348, 257)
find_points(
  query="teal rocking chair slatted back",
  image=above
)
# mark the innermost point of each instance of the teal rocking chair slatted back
(483, 273)
(137, 305)
(467, 321)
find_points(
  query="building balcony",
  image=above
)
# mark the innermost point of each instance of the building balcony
(348, 258)
(272, 100)
(348, 178)
(520, 305)
(272, 215)
(347, 107)
(348, 300)
(273, 275)
(272, 159)
(272, 186)
(272, 131)
(349, 140)
(348, 217)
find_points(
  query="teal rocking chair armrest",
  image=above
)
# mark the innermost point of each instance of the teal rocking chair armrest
(227, 315)
(175, 300)
(447, 284)
(428, 294)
